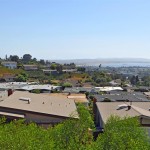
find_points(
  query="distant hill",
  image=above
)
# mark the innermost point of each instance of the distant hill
(106, 61)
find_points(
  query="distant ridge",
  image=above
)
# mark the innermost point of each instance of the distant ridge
(95, 62)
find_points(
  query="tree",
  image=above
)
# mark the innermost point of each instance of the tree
(37, 91)
(42, 62)
(74, 134)
(53, 66)
(134, 80)
(122, 134)
(67, 84)
(47, 62)
(101, 80)
(22, 77)
(146, 81)
(82, 69)
(34, 60)
(27, 57)
(59, 68)
(14, 58)
(22, 136)
(137, 79)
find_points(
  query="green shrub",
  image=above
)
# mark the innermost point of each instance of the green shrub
(37, 91)
(67, 84)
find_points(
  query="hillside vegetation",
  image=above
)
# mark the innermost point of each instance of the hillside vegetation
(4, 70)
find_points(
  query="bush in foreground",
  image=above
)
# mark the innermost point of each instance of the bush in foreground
(74, 135)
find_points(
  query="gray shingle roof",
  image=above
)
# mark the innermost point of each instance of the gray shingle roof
(123, 96)
(107, 109)
(41, 103)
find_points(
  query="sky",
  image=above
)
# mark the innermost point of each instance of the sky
(75, 29)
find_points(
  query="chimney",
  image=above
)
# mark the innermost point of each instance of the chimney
(10, 92)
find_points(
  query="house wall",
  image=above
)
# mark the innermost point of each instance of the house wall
(98, 120)
(9, 79)
(145, 121)
(52, 72)
(28, 68)
(11, 66)
(41, 119)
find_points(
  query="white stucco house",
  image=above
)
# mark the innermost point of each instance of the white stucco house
(10, 64)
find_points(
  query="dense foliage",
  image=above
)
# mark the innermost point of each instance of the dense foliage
(122, 135)
(67, 84)
(101, 78)
(4, 71)
(22, 77)
(73, 134)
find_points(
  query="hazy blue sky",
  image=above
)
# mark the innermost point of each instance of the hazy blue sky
(65, 29)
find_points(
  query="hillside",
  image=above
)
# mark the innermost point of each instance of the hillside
(4, 70)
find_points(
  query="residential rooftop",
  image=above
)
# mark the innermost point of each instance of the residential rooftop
(121, 109)
(78, 98)
(109, 88)
(40, 103)
(9, 62)
(123, 96)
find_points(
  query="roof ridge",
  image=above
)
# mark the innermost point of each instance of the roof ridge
(141, 111)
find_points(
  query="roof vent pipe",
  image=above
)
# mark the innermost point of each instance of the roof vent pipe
(28, 101)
